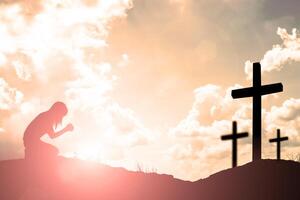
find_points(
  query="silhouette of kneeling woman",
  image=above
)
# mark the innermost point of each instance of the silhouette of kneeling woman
(45, 123)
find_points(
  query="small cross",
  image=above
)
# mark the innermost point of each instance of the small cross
(278, 140)
(256, 92)
(234, 136)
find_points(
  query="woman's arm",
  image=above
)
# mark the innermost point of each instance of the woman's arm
(53, 134)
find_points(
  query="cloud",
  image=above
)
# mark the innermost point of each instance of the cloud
(280, 54)
(9, 97)
(289, 110)
(286, 117)
(212, 106)
(197, 137)
(128, 129)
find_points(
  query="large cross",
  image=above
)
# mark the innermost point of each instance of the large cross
(234, 136)
(278, 140)
(256, 91)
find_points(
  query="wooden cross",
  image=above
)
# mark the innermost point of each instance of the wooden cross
(234, 136)
(256, 91)
(278, 140)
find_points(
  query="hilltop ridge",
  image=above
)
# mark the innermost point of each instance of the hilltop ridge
(75, 179)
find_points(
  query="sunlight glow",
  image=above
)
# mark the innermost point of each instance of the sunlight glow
(92, 153)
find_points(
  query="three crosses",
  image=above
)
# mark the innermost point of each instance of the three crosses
(256, 92)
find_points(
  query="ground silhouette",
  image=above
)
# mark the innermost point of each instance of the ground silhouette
(65, 179)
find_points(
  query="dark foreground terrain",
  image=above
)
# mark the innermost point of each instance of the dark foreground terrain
(72, 179)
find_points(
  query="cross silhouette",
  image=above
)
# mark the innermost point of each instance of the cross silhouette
(234, 136)
(256, 91)
(278, 140)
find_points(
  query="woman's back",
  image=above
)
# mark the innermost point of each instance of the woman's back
(37, 128)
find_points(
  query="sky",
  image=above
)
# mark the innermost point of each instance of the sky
(148, 83)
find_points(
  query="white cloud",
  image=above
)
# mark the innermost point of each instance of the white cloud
(9, 97)
(197, 138)
(280, 54)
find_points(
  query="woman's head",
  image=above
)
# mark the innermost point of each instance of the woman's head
(58, 110)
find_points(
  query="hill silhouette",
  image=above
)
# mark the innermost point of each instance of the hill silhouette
(75, 179)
